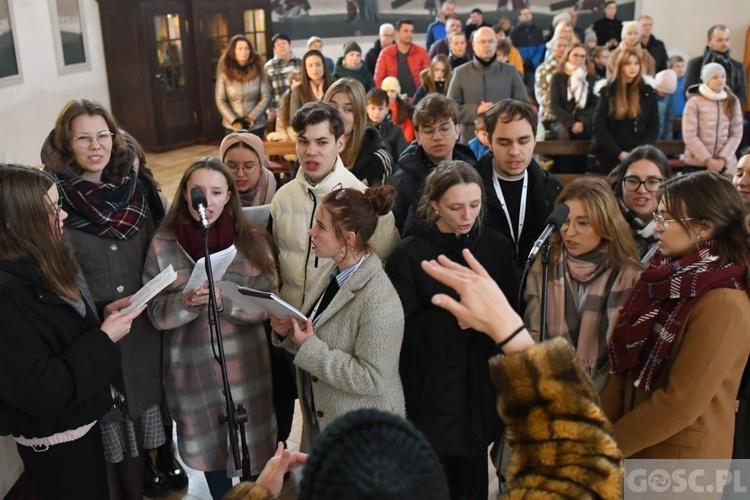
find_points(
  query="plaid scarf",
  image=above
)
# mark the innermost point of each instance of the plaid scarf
(256, 195)
(656, 311)
(584, 300)
(734, 77)
(111, 209)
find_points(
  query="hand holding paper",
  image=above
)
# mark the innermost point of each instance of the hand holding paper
(151, 289)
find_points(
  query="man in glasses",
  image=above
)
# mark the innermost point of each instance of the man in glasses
(520, 195)
(320, 139)
(483, 81)
(436, 131)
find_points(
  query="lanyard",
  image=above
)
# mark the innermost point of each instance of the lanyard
(522, 209)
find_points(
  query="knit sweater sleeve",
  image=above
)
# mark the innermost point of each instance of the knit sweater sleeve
(562, 443)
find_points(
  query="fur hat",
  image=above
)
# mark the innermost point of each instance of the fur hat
(391, 83)
(666, 81)
(628, 26)
(711, 69)
(351, 47)
(372, 454)
(251, 140)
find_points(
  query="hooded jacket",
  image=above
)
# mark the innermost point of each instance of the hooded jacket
(414, 166)
(448, 390)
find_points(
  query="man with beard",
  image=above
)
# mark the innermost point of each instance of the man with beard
(717, 51)
(484, 80)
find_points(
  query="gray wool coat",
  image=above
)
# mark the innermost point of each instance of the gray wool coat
(351, 361)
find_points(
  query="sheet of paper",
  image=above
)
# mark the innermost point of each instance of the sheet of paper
(151, 289)
(219, 264)
(258, 215)
(255, 301)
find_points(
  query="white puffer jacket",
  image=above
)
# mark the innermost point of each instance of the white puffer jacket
(708, 132)
(292, 210)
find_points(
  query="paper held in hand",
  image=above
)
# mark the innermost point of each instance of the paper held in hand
(151, 289)
(219, 264)
(256, 301)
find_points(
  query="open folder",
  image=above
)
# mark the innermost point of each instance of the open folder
(254, 301)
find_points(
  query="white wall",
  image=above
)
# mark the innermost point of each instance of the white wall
(28, 109)
(682, 24)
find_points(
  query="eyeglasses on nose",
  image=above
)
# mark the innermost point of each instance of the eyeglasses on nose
(104, 138)
(247, 168)
(580, 225)
(659, 220)
(443, 129)
(632, 183)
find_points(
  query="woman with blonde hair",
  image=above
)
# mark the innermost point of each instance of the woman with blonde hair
(192, 379)
(435, 78)
(631, 40)
(626, 115)
(242, 91)
(365, 153)
(681, 343)
(314, 82)
(593, 267)
(712, 122)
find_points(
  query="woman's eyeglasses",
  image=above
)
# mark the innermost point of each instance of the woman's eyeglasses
(581, 226)
(632, 183)
(247, 168)
(56, 208)
(104, 138)
(661, 221)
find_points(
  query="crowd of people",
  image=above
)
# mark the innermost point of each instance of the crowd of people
(402, 237)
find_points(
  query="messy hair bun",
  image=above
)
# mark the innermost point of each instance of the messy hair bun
(358, 212)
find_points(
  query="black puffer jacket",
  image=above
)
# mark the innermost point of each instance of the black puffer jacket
(374, 164)
(56, 365)
(447, 386)
(414, 167)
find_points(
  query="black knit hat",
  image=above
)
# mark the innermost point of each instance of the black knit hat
(371, 454)
(351, 47)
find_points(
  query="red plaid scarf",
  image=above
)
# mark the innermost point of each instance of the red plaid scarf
(111, 209)
(657, 308)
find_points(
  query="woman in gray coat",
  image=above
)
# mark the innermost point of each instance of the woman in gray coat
(347, 352)
(242, 91)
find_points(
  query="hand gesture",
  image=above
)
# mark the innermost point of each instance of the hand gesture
(283, 461)
(301, 334)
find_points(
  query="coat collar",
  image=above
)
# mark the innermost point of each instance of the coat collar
(339, 175)
(346, 293)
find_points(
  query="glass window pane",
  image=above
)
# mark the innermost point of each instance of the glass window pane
(71, 32)
(248, 18)
(8, 62)
(169, 51)
(260, 20)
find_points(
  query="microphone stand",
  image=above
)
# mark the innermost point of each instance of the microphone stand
(545, 286)
(235, 417)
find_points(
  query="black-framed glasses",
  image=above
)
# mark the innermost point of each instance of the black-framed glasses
(632, 183)
(104, 138)
(659, 220)
(443, 129)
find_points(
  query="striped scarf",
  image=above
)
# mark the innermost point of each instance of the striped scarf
(585, 297)
(110, 209)
(656, 310)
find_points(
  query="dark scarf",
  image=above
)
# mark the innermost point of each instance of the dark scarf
(220, 236)
(111, 209)
(487, 63)
(657, 308)
(256, 195)
(734, 77)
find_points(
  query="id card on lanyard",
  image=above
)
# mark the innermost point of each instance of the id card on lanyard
(516, 236)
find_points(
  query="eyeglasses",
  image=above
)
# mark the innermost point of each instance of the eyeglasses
(247, 168)
(443, 129)
(580, 225)
(632, 183)
(56, 208)
(661, 221)
(104, 138)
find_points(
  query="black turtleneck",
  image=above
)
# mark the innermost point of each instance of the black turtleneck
(488, 62)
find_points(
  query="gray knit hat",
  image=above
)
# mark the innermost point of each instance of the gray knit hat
(372, 454)
(710, 70)
(351, 47)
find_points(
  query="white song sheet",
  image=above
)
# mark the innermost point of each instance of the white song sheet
(151, 289)
(219, 264)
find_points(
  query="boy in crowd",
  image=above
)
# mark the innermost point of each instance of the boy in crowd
(480, 144)
(503, 50)
(378, 117)
(666, 85)
(677, 99)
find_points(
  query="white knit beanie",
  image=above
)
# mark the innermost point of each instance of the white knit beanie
(710, 70)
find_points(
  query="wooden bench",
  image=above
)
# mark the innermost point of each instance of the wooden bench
(568, 148)
(279, 165)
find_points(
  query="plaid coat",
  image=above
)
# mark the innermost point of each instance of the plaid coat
(192, 378)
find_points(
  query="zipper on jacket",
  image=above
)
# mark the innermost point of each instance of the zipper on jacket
(718, 117)
(309, 243)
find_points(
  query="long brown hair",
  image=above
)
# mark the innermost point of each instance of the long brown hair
(625, 101)
(356, 92)
(62, 158)
(251, 240)
(29, 228)
(304, 89)
(443, 177)
(236, 72)
(428, 78)
(709, 197)
(606, 220)
(576, 45)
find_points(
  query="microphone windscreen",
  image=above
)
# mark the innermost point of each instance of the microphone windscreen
(197, 197)
(558, 216)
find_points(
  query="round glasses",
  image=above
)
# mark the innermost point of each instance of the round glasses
(104, 138)
(632, 183)
(581, 226)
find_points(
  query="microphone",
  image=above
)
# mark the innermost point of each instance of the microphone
(199, 202)
(553, 222)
